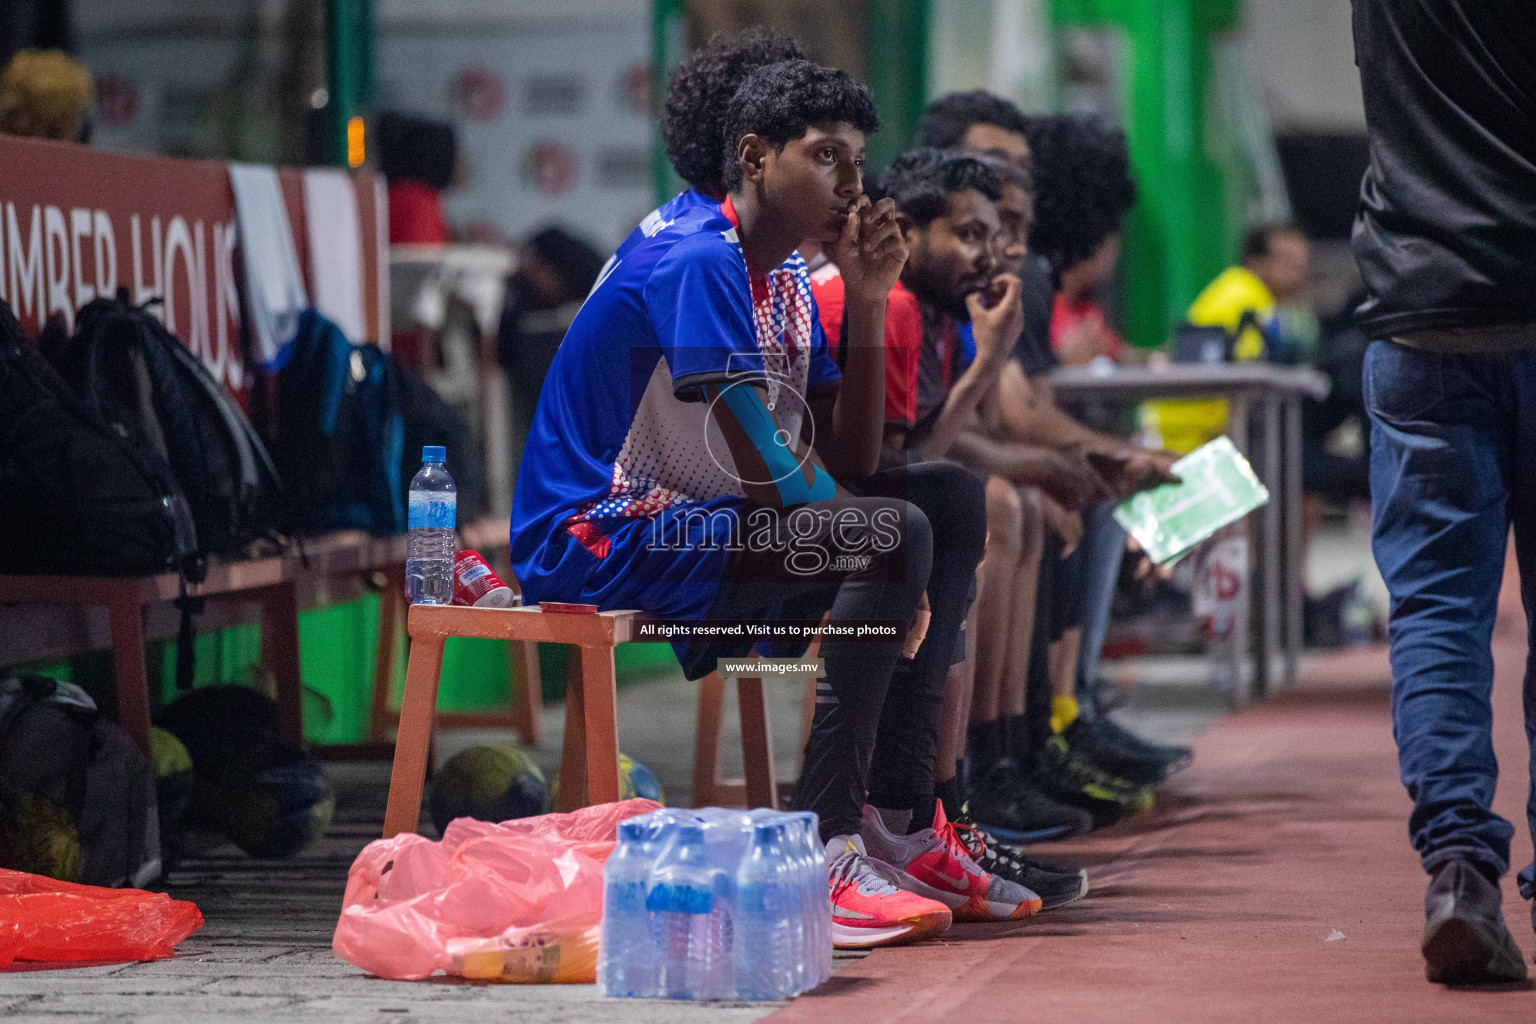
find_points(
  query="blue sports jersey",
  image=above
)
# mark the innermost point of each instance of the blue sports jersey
(621, 434)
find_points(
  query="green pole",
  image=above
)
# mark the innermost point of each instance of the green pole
(1178, 236)
(668, 39)
(341, 76)
(367, 60)
(898, 39)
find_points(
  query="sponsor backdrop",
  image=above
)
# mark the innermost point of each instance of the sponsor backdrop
(76, 223)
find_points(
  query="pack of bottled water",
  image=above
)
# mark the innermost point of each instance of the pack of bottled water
(716, 904)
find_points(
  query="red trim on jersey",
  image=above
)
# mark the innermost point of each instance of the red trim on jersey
(589, 537)
(762, 288)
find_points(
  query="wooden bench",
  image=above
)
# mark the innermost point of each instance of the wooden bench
(269, 581)
(273, 582)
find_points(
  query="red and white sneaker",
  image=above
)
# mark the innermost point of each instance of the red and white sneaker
(868, 909)
(935, 863)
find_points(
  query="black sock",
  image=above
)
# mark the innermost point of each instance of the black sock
(960, 774)
(1019, 745)
(949, 795)
(922, 813)
(987, 742)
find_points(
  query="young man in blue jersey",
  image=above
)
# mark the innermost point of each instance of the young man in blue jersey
(694, 106)
(693, 421)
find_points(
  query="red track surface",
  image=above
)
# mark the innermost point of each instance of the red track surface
(1217, 907)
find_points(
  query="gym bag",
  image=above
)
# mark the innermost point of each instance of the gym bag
(133, 372)
(332, 415)
(77, 797)
(76, 495)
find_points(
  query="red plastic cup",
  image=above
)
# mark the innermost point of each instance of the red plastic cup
(476, 584)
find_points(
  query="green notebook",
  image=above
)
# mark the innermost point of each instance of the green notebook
(1218, 487)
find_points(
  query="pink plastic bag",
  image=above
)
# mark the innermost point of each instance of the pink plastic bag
(517, 901)
(45, 919)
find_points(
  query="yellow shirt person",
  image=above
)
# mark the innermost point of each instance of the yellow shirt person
(1241, 300)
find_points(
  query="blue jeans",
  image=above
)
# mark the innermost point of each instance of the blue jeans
(1104, 547)
(1453, 467)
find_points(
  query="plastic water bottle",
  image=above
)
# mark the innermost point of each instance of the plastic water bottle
(430, 544)
(628, 959)
(769, 918)
(681, 905)
(818, 945)
(715, 904)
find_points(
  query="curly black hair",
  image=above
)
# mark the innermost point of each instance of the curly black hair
(947, 118)
(920, 182)
(700, 88)
(1083, 186)
(1009, 172)
(779, 102)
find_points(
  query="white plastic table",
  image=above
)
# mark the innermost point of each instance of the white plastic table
(1276, 392)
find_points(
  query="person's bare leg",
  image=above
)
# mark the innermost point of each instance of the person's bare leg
(954, 720)
(998, 591)
(1021, 630)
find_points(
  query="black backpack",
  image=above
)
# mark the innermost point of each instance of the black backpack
(332, 416)
(76, 495)
(133, 372)
(430, 420)
(77, 797)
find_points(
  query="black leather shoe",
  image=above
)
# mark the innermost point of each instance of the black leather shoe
(1465, 940)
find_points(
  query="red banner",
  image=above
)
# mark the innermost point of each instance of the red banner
(76, 223)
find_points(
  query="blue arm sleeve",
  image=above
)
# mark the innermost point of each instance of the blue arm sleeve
(764, 434)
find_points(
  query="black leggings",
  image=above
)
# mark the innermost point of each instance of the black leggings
(877, 714)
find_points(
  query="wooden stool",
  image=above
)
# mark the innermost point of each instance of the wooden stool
(523, 659)
(589, 758)
(760, 787)
(490, 538)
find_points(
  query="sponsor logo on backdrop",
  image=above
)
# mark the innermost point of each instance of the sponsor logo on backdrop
(551, 167)
(480, 93)
(117, 101)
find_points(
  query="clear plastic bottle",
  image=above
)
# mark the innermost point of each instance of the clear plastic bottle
(768, 918)
(628, 960)
(430, 543)
(818, 943)
(681, 905)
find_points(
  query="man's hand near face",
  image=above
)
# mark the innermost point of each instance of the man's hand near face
(870, 252)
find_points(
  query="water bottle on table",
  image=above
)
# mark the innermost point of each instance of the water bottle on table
(430, 542)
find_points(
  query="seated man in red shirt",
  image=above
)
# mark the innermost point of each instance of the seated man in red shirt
(948, 209)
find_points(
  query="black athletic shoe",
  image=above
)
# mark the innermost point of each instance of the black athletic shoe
(1056, 885)
(1067, 774)
(1124, 754)
(1012, 807)
(1465, 941)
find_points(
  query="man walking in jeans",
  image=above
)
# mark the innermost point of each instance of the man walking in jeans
(1446, 242)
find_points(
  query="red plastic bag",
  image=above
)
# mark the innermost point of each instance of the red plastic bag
(45, 919)
(517, 901)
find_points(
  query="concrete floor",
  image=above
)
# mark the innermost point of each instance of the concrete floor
(264, 953)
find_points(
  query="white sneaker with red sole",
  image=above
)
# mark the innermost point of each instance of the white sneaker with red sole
(933, 862)
(869, 909)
